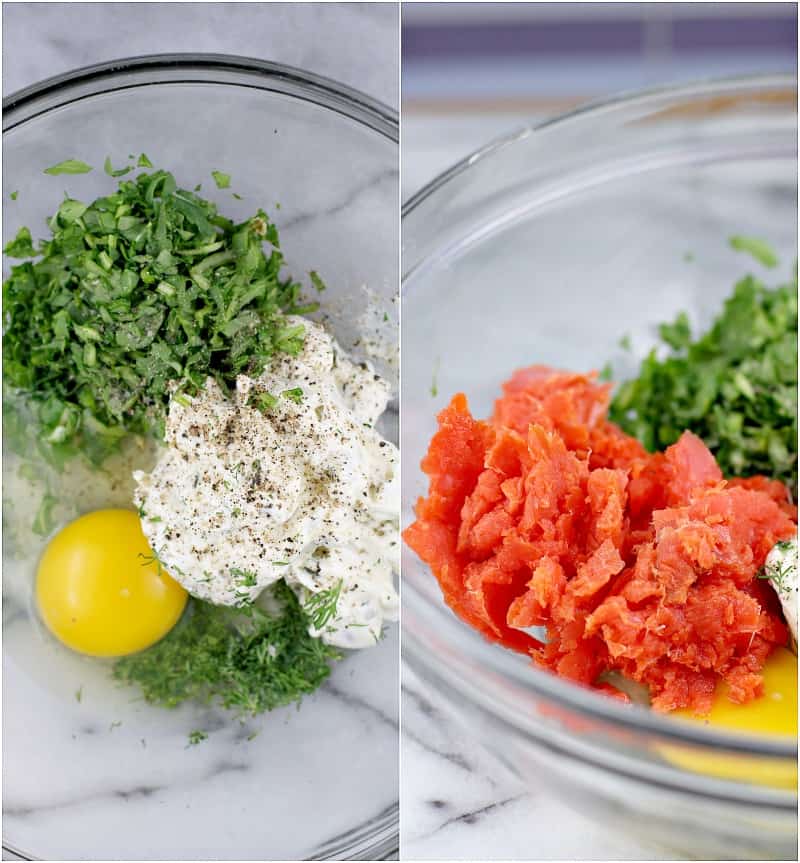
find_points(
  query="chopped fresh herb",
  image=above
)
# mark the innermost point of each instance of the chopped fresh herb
(196, 737)
(316, 281)
(68, 166)
(21, 246)
(142, 287)
(246, 660)
(625, 342)
(263, 402)
(321, 607)
(79, 694)
(244, 577)
(119, 172)
(295, 394)
(44, 523)
(144, 162)
(14, 196)
(150, 559)
(758, 249)
(238, 197)
(735, 386)
(778, 574)
(435, 379)
(223, 181)
(606, 373)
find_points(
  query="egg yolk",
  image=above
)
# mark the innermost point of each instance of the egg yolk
(100, 589)
(774, 713)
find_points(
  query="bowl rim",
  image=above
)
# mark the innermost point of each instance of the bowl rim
(592, 704)
(22, 105)
(379, 837)
(595, 108)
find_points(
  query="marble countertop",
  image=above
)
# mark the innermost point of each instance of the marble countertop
(354, 43)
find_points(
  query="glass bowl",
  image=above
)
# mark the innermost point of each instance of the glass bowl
(547, 247)
(107, 776)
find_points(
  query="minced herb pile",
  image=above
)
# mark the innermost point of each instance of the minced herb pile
(735, 386)
(147, 285)
(244, 659)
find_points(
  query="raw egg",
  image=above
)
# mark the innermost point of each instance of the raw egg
(774, 713)
(100, 589)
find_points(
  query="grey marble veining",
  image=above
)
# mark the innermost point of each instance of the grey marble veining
(460, 803)
(354, 43)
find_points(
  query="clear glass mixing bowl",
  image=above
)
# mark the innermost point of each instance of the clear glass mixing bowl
(547, 247)
(109, 777)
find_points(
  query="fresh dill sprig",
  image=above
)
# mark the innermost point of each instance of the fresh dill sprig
(321, 607)
(778, 575)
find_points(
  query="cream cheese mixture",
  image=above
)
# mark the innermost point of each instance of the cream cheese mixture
(286, 478)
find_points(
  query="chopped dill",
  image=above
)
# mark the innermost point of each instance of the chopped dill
(246, 660)
(321, 607)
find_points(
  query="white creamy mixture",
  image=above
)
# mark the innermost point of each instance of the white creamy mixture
(275, 483)
(781, 569)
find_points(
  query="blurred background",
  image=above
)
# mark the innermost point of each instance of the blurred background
(473, 71)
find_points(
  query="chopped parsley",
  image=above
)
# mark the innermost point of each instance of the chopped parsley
(119, 172)
(263, 402)
(316, 281)
(223, 181)
(758, 249)
(143, 287)
(68, 166)
(246, 660)
(295, 394)
(735, 386)
(196, 737)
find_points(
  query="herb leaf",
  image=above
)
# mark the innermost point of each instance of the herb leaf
(68, 166)
(316, 281)
(119, 172)
(223, 181)
(760, 250)
(21, 246)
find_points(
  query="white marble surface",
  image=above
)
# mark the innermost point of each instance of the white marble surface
(459, 802)
(107, 777)
(354, 43)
